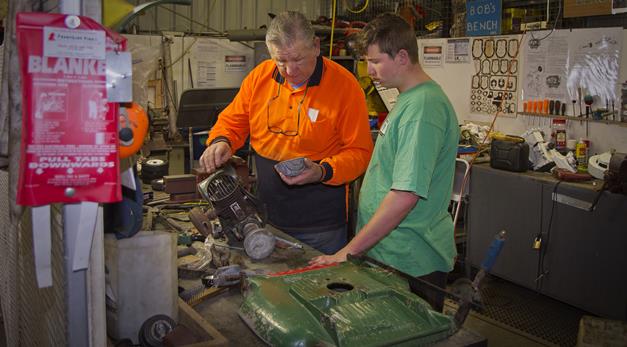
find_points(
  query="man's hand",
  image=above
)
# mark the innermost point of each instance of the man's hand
(214, 156)
(338, 257)
(311, 174)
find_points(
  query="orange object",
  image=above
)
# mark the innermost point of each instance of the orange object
(525, 106)
(536, 106)
(545, 106)
(133, 129)
(328, 116)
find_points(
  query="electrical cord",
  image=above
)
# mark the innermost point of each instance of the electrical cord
(221, 33)
(183, 54)
(496, 115)
(332, 29)
(192, 20)
(598, 197)
(559, 11)
(541, 271)
(167, 87)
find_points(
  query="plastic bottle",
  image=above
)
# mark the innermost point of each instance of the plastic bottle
(581, 154)
(559, 133)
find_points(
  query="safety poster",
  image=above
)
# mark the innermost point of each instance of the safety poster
(69, 133)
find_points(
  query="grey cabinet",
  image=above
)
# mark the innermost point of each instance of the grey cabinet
(585, 253)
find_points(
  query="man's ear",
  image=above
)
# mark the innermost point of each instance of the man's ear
(403, 57)
(317, 45)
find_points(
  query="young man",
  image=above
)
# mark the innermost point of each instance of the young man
(403, 217)
(298, 104)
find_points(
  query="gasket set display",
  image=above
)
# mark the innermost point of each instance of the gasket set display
(494, 84)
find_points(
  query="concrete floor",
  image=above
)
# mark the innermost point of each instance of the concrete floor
(501, 335)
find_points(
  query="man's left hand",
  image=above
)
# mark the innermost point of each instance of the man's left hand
(311, 174)
(338, 257)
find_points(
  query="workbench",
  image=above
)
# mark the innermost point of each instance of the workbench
(584, 251)
(221, 310)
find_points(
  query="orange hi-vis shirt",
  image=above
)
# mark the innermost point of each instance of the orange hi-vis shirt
(328, 115)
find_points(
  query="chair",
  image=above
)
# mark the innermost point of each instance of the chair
(460, 188)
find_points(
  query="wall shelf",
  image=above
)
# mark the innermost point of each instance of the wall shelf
(581, 119)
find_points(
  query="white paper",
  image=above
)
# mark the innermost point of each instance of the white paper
(206, 55)
(432, 55)
(88, 213)
(74, 43)
(42, 245)
(388, 95)
(566, 65)
(457, 51)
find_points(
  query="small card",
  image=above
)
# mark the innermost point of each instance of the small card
(313, 114)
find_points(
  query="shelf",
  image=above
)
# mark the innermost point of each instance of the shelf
(581, 119)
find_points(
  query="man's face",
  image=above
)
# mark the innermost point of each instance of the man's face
(296, 62)
(382, 67)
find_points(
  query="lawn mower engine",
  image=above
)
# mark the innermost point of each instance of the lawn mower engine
(237, 211)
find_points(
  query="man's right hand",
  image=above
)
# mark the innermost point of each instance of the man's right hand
(214, 156)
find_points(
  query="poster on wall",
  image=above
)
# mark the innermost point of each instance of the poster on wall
(566, 66)
(457, 51)
(69, 133)
(206, 55)
(495, 80)
(432, 55)
(219, 62)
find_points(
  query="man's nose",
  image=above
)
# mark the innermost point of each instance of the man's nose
(291, 68)
(370, 69)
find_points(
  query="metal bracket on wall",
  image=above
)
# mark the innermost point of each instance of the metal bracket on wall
(570, 201)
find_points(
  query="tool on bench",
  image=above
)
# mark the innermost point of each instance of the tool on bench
(288, 243)
(565, 175)
(589, 101)
(215, 281)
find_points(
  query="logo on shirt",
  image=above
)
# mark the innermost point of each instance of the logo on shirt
(312, 113)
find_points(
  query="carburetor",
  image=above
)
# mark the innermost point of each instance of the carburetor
(237, 211)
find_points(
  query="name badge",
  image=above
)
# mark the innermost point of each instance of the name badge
(384, 127)
(313, 114)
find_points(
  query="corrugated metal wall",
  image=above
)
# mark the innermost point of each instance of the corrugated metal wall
(222, 15)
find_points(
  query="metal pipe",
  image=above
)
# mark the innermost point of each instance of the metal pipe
(260, 34)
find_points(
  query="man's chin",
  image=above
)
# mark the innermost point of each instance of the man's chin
(382, 83)
(294, 82)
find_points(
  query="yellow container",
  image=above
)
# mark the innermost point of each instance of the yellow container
(512, 17)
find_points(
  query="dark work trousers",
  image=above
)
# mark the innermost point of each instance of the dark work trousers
(435, 299)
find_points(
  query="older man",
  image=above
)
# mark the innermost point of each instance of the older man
(298, 104)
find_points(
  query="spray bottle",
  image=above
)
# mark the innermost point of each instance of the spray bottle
(581, 154)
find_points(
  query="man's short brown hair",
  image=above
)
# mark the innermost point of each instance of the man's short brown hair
(391, 33)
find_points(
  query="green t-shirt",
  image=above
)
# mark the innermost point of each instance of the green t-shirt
(415, 151)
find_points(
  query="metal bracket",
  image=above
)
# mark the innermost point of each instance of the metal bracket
(573, 202)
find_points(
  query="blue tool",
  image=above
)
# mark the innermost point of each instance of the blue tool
(469, 291)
